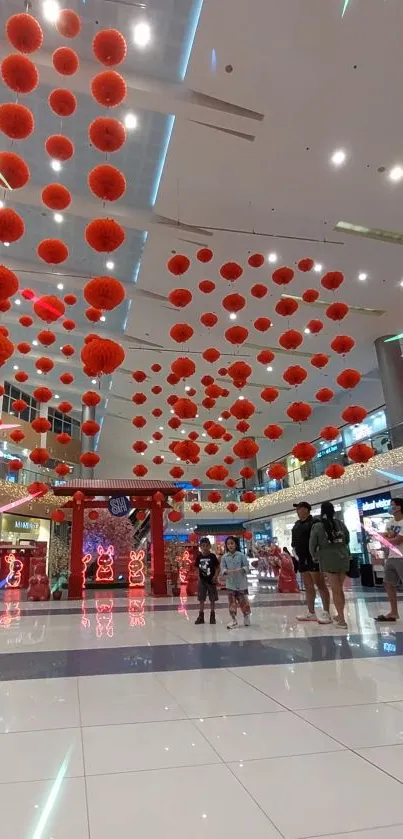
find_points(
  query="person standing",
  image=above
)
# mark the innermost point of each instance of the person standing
(394, 562)
(209, 567)
(308, 567)
(234, 567)
(329, 545)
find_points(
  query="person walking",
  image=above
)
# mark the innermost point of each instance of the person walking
(329, 545)
(308, 567)
(234, 568)
(394, 562)
(209, 567)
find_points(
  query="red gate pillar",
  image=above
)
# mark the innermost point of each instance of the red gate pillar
(159, 578)
(75, 591)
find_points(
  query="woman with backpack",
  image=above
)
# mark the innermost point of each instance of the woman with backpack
(329, 545)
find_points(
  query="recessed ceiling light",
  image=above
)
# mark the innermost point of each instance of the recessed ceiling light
(187, 387)
(172, 411)
(6, 244)
(56, 165)
(401, 283)
(204, 434)
(161, 427)
(178, 458)
(318, 267)
(232, 316)
(269, 369)
(307, 331)
(362, 276)
(15, 367)
(242, 397)
(51, 10)
(60, 286)
(17, 302)
(102, 319)
(39, 372)
(58, 218)
(151, 442)
(110, 265)
(272, 257)
(142, 34)
(34, 343)
(93, 381)
(57, 396)
(131, 121)
(219, 419)
(142, 454)
(338, 157)
(395, 174)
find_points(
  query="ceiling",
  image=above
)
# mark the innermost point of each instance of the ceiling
(248, 152)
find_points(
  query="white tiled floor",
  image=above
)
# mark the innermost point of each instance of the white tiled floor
(274, 751)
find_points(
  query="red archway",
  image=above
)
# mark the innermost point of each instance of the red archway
(86, 494)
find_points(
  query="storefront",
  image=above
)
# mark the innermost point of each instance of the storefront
(374, 512)
(19, 530)
(373, 430)
(347, 510)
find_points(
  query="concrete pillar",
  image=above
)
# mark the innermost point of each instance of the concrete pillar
(390, 363)
(44, 414)
(87, 443)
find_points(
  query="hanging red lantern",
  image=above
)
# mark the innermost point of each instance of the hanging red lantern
(26, 321)
(231, 271)
(324, 394)
(139, 376)
(332, 280)
(37, 487)
(239, 370)
(233, 302)
(299, 411)
(14, 170)
(186, 450)
(196, 508)
(104, 235)
(342, 344)
(39, 456)
(139, 446)
(348, 379)
(236, 335)
(290, 340)
(107, 134)
(24, 33)
(304, 452)
(259, 291)
(57, 516)
(67, 350)
(230, 483)
(247, 472)
(315, 326)
(354, 414)
(181, 333)
(211, 354)
(16, 121)
(93, 515)
(19, 405)
(90, 428)
(262, 324)
(335, 471)
(282, 276)
(140, 470)
(52, 251)
(176, 473)
(193, 435)
(229, 460)
(156, 389)
(56, 197)
(44, 364)
(21, 377)
(248, 497)
(306, 264)
(19, 73)
(242, 426)
(49, 308)
(277, 471)
(273, 432)
(156, 412)
(214, 497)
(207, 380)
(214, 391)
(9, 283)
(310, 295)
(40, 424)
(265, 357)
(68, 23)
(109, 47)
(217, 473)
(106, 182)
(65, 61)
(178, 264)
(104, 293)
(286, 307)
(42, 394)
(66, 378)
(70, 299)
(329, 433)
(337, 311)
(206, 286)
(11, 225)
(89, 459)
(46, 338)
(180, 297)
(185, 408)
(295, 375)
(59, 147)
(256, 260)
(158, 459)
(139, 398)
(211, 449)
(63, 438)
(62, 469)
(361, 453)
(209, 319)
(102, 356)
(62, 102)
(232, 507)
(65, 407)
(269, 394)
(17, 435)
(204, 255)
(245, 448)
(319, 360)
(242, 409)
(215, 430)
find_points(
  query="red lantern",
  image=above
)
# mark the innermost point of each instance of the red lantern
(290, 340)
(180, 297)
(332, 280)
(211, 448)
(178, 264)
(234, 302)
(139, 376)
(63, 438)
(93, 515)
(208, 319)
(304, 452)
(217, 473)
(65, 61)
(277, 471)
(246, 472)
(11, 225)
(104, 235)
(67, 350)
(230, 483)
(90, 428)
(282, 276)
(286, 307)
(59, 147)
(236, 335)
(39, 456)
(310, 295)
(158, 459)
(176, 473)
(106, 182)
(46, 338)
(342, 344)
(19, 73)
(242, 409)
(25, 320)
(185, 408)
(156, 412)
(259, 290)
(204, 255)
(14, 169)
(62, 102)
(231, 271)
(68, 23)
(206, 286)
(139, 446)
(248, 497)
(335, 471)
(21, 377)
(245, 448)
(57, 516)
(354, 414)
(324, 394)
(65, 407)
(16, 121)
(139, 470)
(186, 450)
(229, 460)
(348, 379)
(9, 283)
(239, 370)
(56, 197)
(181, 332)
(214, 496)
(262, 324)
(109, 47)
(37, 487)
(40, 425)
(102, 356)
(104, 293)
(273, 432)
(107, 134)
(211, 355)
(265, 357)
(361, 453)
(306, 264)
(319, 360)
(232, 507)
(337, 311)
(256, 260)
(329, 433)
(196, 508)
(17, 436)
(269, 394)
(24, 33)
(315, 326)
(62, 469)
(295, 375)
(6, 349)
(70, 299)
(89, 459)
(49, 308)
(299, 411)
(42, 394)
(52, 251)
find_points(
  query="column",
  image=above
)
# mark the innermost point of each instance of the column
(159, 580)
(44, 414)
(87, 443)
(76, 552)
(390, 363)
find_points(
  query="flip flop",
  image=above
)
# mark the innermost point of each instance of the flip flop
(385, 619)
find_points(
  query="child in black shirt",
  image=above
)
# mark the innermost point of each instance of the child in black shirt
(209, 568)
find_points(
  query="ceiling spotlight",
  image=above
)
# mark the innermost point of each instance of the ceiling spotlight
(151, 442)
(172, 411)
(15, 367)
(219, 419)
(93, 381)
(272, 257)
(269, 369)
(362, 276)
(318, 267)
(34, 343)
(51, 10)
(307, 331)
(58, 218)
(57, 396)
(17, 302)
(338, 157)
(56, 165)
(241, 397)
(142, 34)
(232, 316)
(110, 265)
(131, 121)
(161, 427)
(60, 286)
(182, 430)
(187, 387)
(204, 434)
(401, 283)
(102, 319)
(6, 244)
(396, 174)
(39, 372)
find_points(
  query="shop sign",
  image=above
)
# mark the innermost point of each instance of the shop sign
(329, 450)
(374, 503)
(13, 524)
(119, 506)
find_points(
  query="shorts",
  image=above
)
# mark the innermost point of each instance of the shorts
(207, 591)
(394, 570)
(308, 564)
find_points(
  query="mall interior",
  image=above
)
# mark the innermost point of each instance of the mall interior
(201, 297)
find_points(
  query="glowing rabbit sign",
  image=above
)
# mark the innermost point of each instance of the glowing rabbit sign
(86, 561)
(105, 564)
(13, 579)
(135, 569)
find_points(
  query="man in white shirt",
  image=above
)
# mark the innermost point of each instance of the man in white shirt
(394, 562)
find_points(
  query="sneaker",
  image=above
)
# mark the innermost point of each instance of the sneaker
(246, 620)
(308, 616)
(340, 624)
(212, 618)
(199, 620)
(325, 618)
(232, 624)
